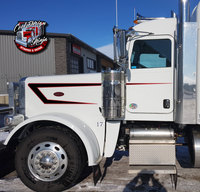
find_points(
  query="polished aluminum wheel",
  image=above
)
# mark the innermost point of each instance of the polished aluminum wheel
(47, 161)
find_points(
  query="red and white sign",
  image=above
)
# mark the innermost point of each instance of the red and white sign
(30, 36)
(31, 50)
(76, 49)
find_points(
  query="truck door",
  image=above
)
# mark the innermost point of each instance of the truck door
(150, 79)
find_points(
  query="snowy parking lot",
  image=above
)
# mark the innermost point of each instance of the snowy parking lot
(115, 177)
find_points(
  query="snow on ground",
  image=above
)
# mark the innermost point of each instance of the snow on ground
(3, 136)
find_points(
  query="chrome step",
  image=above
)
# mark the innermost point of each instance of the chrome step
(154, 152)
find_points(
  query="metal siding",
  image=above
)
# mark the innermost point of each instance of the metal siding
(87, 54)
(15, 63)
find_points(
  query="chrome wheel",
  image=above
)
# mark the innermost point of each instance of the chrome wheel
(50, 159)
(47, 161)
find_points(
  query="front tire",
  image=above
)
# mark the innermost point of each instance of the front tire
(50, 159)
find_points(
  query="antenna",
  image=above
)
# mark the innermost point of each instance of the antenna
(134, 16)
(116, 16)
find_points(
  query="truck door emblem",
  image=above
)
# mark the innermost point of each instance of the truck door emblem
(133, 106)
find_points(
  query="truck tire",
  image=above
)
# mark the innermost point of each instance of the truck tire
(50, 159)
(194, 146)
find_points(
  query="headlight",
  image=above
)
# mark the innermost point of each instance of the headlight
(12, 120)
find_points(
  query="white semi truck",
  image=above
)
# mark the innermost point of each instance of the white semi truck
(66, 121)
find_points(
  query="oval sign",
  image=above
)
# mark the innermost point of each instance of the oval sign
(133, 106)
(58, 94)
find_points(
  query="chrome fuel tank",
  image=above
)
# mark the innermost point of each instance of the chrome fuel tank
(151, 133)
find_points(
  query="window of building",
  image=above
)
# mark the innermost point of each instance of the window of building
(151, 54)
(91, 64)
(76, 65)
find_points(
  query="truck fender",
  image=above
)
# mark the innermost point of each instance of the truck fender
(79, 127)
(112, 132)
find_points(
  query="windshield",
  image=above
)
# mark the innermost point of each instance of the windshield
(151, 54)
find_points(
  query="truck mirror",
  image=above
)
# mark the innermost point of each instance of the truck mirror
(120, 45)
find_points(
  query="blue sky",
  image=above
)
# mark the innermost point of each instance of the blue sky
(89, 20)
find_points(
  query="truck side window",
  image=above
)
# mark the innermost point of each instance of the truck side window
(151, 54)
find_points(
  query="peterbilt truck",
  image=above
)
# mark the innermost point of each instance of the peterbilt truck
(57, 124)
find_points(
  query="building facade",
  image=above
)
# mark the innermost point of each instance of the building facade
(64, 54)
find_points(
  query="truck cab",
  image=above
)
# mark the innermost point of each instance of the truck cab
(151, 71)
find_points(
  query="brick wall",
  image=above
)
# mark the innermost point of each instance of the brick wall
(60, 55)
(68, 51)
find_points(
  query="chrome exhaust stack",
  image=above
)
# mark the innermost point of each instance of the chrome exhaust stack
(184, 11)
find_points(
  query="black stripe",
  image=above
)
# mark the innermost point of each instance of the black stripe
(35, 89)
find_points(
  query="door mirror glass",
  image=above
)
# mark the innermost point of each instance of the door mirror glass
(120, 45)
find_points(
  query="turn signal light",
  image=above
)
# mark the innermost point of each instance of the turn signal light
(13, 120)
(135, 21)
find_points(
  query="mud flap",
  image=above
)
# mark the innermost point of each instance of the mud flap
(174, 179)
(96, 173)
